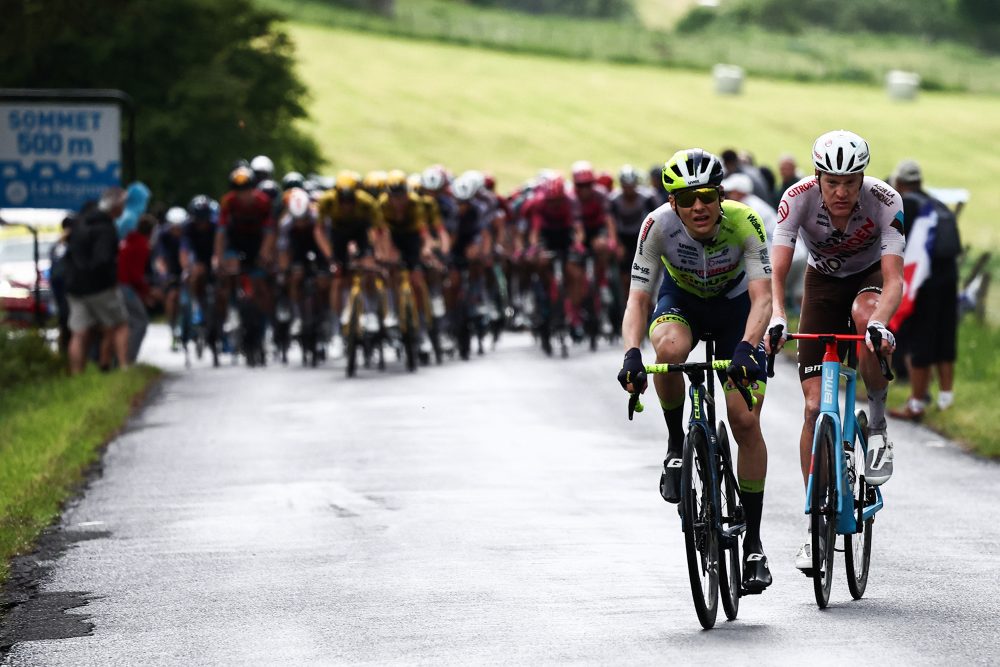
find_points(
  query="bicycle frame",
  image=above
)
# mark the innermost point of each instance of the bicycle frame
(702, 416)
(847, 520)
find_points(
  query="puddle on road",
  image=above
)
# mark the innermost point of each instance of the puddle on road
(32, 615)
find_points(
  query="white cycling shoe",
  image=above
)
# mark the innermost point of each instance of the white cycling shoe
(804, 559)
(878, 463)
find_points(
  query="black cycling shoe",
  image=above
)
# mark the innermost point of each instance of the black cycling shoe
(670, 478)
(756, 574)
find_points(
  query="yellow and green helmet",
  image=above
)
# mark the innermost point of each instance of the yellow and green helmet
(691, 168)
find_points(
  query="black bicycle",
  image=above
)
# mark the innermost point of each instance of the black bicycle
(711, 510)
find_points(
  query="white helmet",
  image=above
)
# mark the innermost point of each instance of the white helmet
(840, 153)
(433, 178)
(628, 175)
(298, 202)
(464, 188)
(476, 178)
(176, 216)
(262, 166)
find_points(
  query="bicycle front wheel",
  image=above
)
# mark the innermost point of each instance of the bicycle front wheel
(731, 512)
(823, 511)
(858, 547)
(700, 538)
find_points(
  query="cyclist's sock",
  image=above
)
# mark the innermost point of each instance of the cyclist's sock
(752, 493)
(673, 414)
(876, 409)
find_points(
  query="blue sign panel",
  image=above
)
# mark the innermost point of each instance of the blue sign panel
(58, 155)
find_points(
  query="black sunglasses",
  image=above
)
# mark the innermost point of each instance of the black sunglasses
(685, 198)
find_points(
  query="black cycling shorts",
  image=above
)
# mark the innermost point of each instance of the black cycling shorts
(725, 320)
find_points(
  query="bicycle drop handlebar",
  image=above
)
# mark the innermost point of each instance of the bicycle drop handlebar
(830, 340)
(692, 369)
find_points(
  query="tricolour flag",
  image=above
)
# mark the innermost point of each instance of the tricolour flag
(916, 261)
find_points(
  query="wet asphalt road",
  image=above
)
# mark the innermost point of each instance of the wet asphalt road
(497, 511)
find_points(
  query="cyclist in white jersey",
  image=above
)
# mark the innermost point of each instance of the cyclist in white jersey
(851, 224)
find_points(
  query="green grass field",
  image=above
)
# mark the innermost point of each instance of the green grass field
(812, 55)
(380, 102)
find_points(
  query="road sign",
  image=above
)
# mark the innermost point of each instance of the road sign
(58, 149)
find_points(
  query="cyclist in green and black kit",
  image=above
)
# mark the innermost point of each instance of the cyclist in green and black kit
(717, 281)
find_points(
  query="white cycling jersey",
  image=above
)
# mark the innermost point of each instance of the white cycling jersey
(875, 228)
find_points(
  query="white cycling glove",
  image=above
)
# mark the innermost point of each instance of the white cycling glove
(883, 331)
(777, 322)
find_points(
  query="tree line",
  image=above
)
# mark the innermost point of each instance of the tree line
(212, 80)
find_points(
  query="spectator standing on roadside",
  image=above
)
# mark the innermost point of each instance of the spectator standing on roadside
(133, 258)
(930, 330)
(136, 200)
(57, 282)
(788, 174)
(733, 165)
(91, 274)
(656, 185)
(739, 187)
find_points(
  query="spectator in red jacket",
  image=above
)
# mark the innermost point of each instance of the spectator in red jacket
(133, 260)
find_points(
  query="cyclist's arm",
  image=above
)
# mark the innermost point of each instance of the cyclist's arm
(646, 271)
(781, 261)
(634, 321)
(892, 288)
(760, 310)
(267, 246)
(320, 236)
(220, 246)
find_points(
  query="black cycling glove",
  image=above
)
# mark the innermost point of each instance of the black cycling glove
(633, 371)
(744, 364)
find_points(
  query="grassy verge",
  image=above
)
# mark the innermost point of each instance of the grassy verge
(970, 419)
(50, 432)
(813, 55)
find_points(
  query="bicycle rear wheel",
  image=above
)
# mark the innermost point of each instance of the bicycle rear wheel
(700, 538)
(858, 547)
(731, 512)
(823, 511)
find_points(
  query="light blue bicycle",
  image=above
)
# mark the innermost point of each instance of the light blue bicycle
(838, 499)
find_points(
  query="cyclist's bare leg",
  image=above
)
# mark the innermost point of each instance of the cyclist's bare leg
(868, 366)
(422, 294)
(295, 277)
(170, 306)
(576, 288)
(197, 280)
(601, 257)
(229, 269)
(337, 293)
(751, 460)
(811, 391)
(672, 343)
